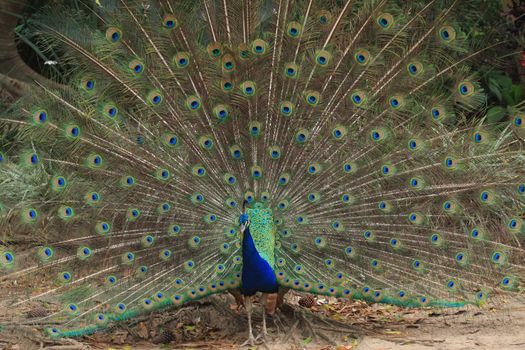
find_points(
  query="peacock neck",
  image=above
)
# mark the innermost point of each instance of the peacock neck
(257, 274)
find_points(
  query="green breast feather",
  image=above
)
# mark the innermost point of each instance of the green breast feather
(262, 230)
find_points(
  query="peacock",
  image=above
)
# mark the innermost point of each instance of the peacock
(190, 148)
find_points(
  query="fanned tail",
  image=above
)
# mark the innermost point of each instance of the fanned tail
(352, 120)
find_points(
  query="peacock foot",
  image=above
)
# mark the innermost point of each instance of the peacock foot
(262, 337)
(249, 342)
(279, 326)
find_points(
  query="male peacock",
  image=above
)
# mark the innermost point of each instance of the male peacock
(346, 126)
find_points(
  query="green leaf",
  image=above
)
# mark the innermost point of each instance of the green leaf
(307, 341)
(513, 96)
(495, 114)
(495, 89)
(504, 82)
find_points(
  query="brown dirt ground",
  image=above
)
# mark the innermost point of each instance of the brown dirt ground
(215, 323)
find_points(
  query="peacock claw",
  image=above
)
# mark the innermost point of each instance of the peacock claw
(249, 342)
(278, 324)
(262, 338)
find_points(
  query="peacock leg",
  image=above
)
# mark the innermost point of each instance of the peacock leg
(251, 340)
(278, 323)
(264, 333)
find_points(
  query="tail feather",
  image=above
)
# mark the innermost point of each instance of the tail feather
(360, 124)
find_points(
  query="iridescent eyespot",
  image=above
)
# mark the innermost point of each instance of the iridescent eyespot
(312, 98)
(498, 257)
(274, 152)
(206, 142)
(518, 121)
(214, 50)
(165, 254)
(46, 253)
(388, 169)
(291, 70)
(385, 20)
(84, 253)
(174, 230)
(339, 132)
(466, 89)
(181, 60)
(40, 116)
(33, 159)
(358, 98)
(65, 212)
(294, 29)
(170, 22)
(475, 233)
(113, 34)
(227, 86)
(102, 228)
(199, 170)
(362, 57)
(394, 243)
(170, 140)
(451, 163)
(451, 284)
(65, 277)
(435, 239)
(155, 98)
(438, 113)
(236, 152)
(447, 34)
(193, 103)
(324, 17)
(89, 84)
(323, 57)
(228, 65)
(375, 263)
(377, 135)
(58, 183)
(314, 168)
(7, 259)
(254, 128)
(29, 215)
(72, 308)
(286, 108)
(256, 172)
(283, 179)
(259, 47)
(313, 197)
(282, 205)
(515, 225)
(412, 144)
(396, 102)
(248, 88)
(415, 69)
(221, 112)
(301, 136)
(72, 132)
(136, 67)
(350, 167)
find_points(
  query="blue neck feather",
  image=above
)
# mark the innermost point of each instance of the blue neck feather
(257, 274)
